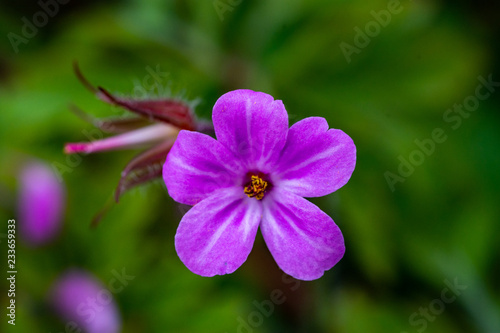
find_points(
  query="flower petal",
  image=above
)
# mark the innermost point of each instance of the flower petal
(252, 125)
(303, 240)
(216, 235)
(316, 161)
(197, 165)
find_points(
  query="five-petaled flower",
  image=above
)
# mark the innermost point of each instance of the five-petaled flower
(256, 174)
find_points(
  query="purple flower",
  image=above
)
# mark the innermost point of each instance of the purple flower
(256, 174)
(79, 297)
(40, 205)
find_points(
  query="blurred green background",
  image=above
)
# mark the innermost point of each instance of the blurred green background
(404, 245)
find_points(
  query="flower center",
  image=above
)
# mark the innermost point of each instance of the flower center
(256, 187)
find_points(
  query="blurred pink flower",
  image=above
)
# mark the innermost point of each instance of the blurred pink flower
(41, 202)
(78, 297)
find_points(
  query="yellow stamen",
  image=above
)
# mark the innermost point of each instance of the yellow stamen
(256, 188)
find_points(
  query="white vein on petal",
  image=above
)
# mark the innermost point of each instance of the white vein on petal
(248, 119)
(181, 164)
(272, 224)
(296, 183)
(315, 158)
(245, 224)
(322, 247)
(215, 237)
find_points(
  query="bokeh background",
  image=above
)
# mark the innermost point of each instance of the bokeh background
(405, 244)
